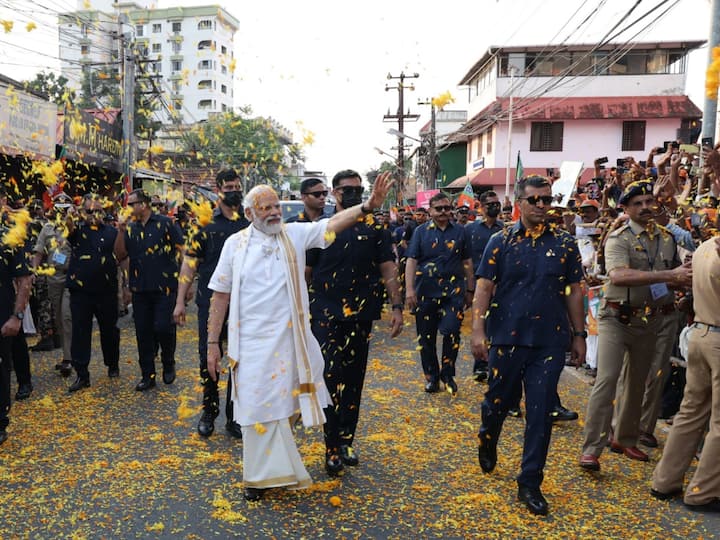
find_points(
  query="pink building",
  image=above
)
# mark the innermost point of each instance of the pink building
(573, 103)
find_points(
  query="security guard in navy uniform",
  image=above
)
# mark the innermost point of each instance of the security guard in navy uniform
(201, 257)
(642, 264)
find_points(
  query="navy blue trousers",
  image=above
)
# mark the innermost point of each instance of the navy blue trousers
(211, 398)
(538, 369)
(154, 329)
(104, 307)
(442, 315)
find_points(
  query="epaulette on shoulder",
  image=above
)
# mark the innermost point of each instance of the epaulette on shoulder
(618, 232)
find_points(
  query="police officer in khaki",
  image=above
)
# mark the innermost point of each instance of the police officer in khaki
(642, 265)
(699, 404)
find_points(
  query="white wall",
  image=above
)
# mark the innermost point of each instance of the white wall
(583, 140)
(599, 86)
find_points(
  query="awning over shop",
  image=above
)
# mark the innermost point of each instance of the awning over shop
(495, 176)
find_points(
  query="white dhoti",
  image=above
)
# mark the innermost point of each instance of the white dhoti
(271, 459)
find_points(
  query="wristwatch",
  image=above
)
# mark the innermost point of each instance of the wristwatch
(365, 210)
(582, 334)
(20, 315)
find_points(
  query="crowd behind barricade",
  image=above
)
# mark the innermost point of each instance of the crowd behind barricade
(610, 282)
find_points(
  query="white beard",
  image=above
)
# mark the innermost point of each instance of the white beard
(271, 229)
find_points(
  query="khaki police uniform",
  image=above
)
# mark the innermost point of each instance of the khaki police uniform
(702, 392)
(631, 246)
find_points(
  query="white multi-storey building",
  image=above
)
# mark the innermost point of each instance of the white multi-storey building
(573, 103)
(187, 51)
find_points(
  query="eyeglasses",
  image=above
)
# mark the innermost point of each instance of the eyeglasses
(446, 208)
(535, 199)
(317, 194)
(351, 190)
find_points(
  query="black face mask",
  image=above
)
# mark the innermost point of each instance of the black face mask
(232, 198)
(492, 211)
(351, 199)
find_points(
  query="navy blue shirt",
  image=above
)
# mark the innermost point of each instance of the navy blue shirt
(153, 251)
(13, 264)
(206, 246)
(531, 277)
(346, 279)
(92, 267)
(439, 255)
(480, 234)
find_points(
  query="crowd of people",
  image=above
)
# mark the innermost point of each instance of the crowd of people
(623, 281)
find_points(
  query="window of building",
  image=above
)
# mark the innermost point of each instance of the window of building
(224, 107)
(223, 49)
(489, 142)
(156, 28)
(84, 30)
(206, 104)
(176, 47)
(205, 64)
(205, 24)
(478, 146)
(206, 44)
(205, 84)
(176, 86)
(177, 105)
(633, 135)
(139, 30)
(223, 89)
(176, 27)
(155, 66)
(157, 47)
(84, 49)
(223, 70)
(546, 137)
(177, 65)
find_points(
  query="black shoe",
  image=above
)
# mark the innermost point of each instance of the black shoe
(206, 425)
(666, 496)
(45, 344)
(113, 372)
(234, 429)
(169, 375)
(515, 412)
(451, 386)
(712, 506)
(487, 456)
(561, 414)
(480, 375)
(58, 365)
(65, 368)
(80, 383)
(432, 387)
(3, 436)
(252, 494)
(23, 392)
(348, 455)
(145, 384)
(334, 465)
(534, 500)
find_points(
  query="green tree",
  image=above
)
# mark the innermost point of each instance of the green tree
(99, 89)
(55, 87)
(257, 147)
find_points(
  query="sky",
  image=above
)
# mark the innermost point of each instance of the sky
(322, 65)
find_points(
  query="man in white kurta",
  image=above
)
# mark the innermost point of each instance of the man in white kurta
(277, 364)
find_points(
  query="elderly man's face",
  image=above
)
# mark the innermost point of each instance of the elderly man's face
(266, 213)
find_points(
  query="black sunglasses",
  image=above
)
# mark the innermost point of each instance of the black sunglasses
(317, 194)
(446, 208)
(352, 189)
(535, 199)
(493, 205)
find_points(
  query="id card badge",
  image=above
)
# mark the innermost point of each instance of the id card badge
(59, 258)
(659, 290)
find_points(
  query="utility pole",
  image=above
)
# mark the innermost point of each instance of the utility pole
(509, 136)
(711, 104)
(431, 157)
(401, 117)
(127, 52)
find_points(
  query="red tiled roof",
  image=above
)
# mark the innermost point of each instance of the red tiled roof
(582, 108)
(495, 176)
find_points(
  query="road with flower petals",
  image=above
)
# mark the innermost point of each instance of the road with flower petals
(109, 462)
